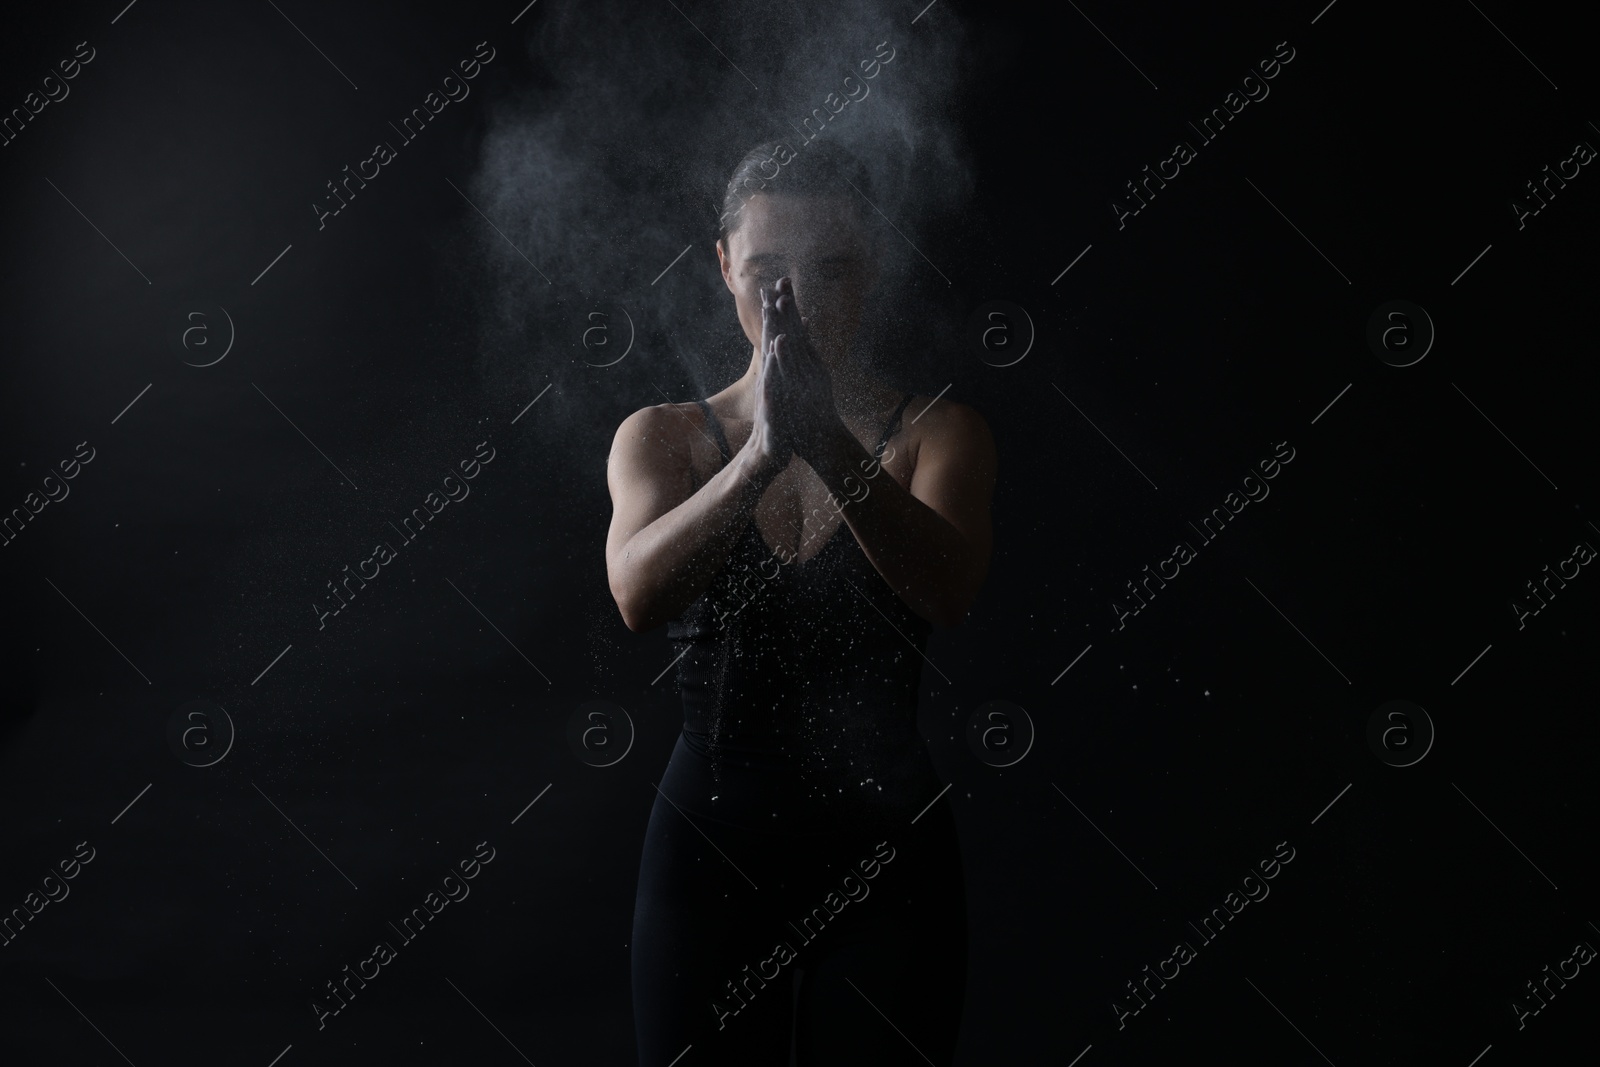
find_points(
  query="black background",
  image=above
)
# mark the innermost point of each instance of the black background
(1221, 721)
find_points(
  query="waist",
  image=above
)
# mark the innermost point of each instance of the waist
(801, 790)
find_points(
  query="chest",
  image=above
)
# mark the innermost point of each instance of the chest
(796, 516)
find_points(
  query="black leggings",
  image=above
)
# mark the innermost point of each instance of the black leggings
(755, 946)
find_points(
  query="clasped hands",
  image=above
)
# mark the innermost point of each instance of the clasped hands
(794, 410)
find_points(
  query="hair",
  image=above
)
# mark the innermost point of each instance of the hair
(825, 170)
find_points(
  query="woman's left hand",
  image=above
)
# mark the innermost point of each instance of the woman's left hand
(808, 411)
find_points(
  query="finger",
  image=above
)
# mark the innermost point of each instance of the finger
(791, 312)
(772, 376)
(771, 384)
(792, 323)
(789, 361)
(770, 325)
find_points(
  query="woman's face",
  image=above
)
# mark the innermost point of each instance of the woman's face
(817, 243)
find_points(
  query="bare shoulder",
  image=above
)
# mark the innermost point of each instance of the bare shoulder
(661, 430)
(653, 463)
(938, 425)
(660, 423)
(953, 462)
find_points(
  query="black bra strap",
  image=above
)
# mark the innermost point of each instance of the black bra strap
(716, 427)
(893, 427)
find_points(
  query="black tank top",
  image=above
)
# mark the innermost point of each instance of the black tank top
(808, 670)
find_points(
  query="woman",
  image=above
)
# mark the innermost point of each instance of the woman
(800, 895)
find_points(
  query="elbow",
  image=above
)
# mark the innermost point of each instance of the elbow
(627, 605)
(636, 614)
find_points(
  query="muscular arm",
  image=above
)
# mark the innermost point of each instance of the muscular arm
(931, 543)
(667, 539)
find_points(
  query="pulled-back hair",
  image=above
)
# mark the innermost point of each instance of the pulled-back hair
(827, 169)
